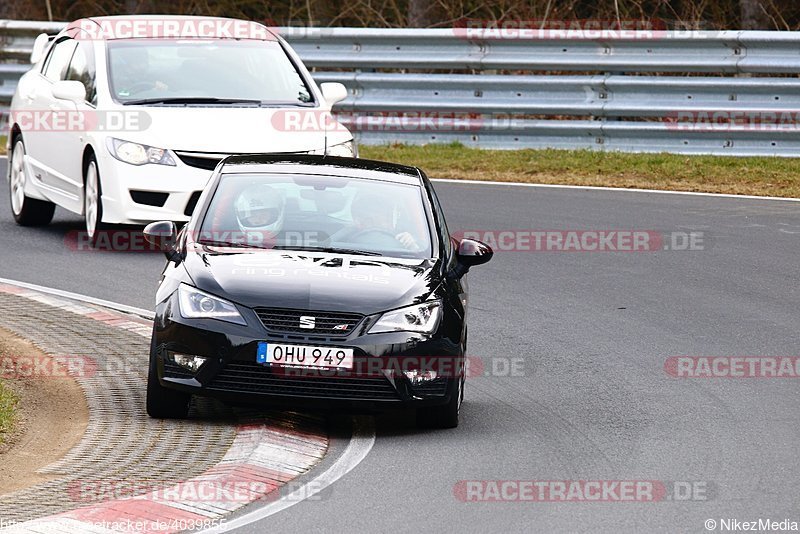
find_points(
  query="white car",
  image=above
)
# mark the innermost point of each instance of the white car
(126, 129)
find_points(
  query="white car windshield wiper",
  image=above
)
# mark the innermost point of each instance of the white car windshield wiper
(191, 100)
(332, 250)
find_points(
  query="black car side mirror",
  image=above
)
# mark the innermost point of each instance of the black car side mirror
(162, 235)
(469, 254)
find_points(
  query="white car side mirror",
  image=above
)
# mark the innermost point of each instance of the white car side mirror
(71, 90)
(39, 47)
(333, 92)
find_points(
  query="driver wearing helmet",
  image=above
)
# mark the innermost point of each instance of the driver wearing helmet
(260, 211)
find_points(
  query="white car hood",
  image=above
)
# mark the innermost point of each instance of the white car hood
(227, 129)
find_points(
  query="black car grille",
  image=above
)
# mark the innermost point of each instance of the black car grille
(436, 388)
(201, 162)
(256, 378)
(192, 204)
(208, 161)
(149, 198)
(173, 370)
(330, 324)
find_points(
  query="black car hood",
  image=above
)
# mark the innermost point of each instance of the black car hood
(310, 280)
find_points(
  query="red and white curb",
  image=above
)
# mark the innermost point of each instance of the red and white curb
(263, 458)
(140, 325)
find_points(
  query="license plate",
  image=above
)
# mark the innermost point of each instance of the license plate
(304, 356)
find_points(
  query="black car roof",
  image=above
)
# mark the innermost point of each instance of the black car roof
(324, 165)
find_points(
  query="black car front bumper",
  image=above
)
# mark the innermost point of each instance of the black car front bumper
(375, 383)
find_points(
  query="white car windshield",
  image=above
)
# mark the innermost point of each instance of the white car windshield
(204, 71)
(325, 213)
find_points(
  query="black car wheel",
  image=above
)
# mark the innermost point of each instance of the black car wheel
(444, 416)
(163, 403)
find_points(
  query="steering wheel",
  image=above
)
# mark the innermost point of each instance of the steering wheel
(359, 236)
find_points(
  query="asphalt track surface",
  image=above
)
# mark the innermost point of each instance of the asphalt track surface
(594, 402)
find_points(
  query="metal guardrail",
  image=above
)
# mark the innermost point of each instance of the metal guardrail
(644, 91)
(454, 48)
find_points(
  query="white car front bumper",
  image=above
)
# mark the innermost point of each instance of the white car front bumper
(142, 194)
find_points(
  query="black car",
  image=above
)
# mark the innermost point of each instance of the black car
(313, 281)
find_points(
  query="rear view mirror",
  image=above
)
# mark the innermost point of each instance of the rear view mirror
(162, 234)
(333, 92)
(327, 201)
(71, 90)
(469, 254)
(39, 47)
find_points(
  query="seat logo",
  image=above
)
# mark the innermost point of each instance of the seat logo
(308, 322)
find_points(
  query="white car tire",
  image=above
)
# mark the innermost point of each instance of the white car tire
(26, 211)
(93, 202)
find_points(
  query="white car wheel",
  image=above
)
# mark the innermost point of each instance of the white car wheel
(91, 200)
(17, 178)
(26, 211)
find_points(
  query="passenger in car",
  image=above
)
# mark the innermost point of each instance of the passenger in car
(369, 215)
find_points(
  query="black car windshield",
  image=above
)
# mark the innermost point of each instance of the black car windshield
(318, 214)
(217, 71)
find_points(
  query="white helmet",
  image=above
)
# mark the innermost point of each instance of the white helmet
(260, 208)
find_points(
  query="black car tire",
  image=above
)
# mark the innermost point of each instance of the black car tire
(26, 211)
(444, 416)
(164, 403)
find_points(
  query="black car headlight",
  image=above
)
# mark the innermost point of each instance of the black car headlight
(423, 318)
(196, 304)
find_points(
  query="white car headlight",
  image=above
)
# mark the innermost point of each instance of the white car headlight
(423, 318)
(196, 304)
(343, 150)
(138, 154)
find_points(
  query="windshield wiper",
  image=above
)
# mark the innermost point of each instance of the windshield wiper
(332, 250)
(273, 104)
(192, 100)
